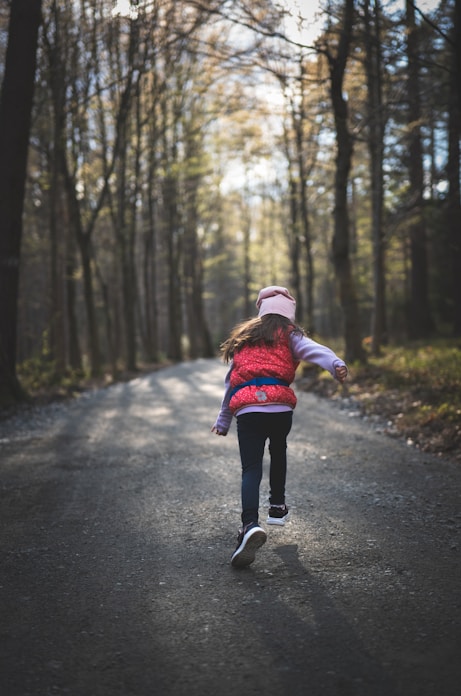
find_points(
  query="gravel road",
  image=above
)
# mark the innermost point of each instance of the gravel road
(119, 514)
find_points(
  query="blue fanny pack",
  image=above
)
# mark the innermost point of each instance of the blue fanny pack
(259, 382)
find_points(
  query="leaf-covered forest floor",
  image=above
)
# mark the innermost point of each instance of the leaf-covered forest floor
(413, 391)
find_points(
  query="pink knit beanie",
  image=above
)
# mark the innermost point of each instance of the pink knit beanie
(276, 300)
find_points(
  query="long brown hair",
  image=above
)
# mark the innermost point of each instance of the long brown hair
(264, 330)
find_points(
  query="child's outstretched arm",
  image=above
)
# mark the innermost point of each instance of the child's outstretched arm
(308, 350)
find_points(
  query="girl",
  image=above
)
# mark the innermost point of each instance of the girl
(264, 353)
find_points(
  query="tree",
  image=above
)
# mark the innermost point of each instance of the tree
(123, 200)
(376, 126)
(454, 133)
(63, 318)
(301, 146)
(16, 101)
(344, 143)
(197, 328)
(419, 320)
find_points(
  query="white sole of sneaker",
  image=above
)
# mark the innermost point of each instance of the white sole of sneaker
(245, 554)
(280, 521)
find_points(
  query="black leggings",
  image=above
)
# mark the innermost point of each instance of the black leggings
(253, 429)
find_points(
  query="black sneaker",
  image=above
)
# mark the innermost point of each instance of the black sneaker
(250, 539)
(278, 514)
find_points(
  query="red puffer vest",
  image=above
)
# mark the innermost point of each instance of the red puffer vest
(275, 361)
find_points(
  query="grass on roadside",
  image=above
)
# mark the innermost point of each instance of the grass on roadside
(38, 376)
(43, 383)
(416, 389)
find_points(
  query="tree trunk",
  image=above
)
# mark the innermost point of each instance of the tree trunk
(246, 230)
(75, 355)
(151, 348)
(57, 80)
(124, 227)
(83, 240)
(57, 300)
(454, 203)
(173, 245)
(199, 336)
(420, 321)
(376, 149)
(293, 227)
(111, 350)
(340, 247)
(303, 209)
(16, 100)
(293, 243)
(172, 225)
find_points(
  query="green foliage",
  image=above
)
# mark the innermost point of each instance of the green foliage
(38, 375)
(430, 371)
(416, 389)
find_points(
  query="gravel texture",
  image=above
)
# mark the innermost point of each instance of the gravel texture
(119, 514)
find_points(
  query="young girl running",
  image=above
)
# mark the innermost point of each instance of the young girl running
(264, 353)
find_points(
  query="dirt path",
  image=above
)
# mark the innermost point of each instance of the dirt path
(118, 517)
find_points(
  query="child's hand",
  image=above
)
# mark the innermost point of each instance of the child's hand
(216, 430)
(341, 373)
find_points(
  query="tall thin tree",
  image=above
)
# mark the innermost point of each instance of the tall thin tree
(454, 134)
(16, 101)
(376, 124)
(419, 317)
(337, 61)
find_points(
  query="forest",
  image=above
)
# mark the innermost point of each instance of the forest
(162, 160)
